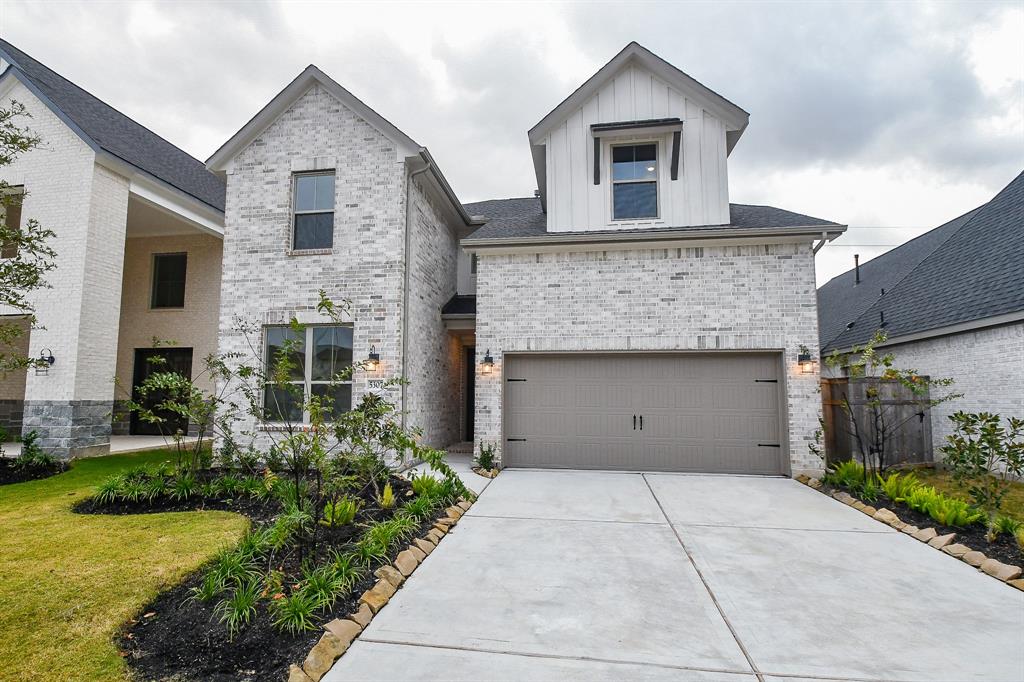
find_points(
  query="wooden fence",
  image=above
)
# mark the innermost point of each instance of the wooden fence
(911, 443)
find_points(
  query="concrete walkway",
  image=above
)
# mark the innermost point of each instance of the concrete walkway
(611, 576)
(119, 445)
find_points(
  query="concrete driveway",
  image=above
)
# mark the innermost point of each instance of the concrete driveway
(564, 575)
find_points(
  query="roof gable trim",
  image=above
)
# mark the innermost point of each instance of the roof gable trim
(265, 117)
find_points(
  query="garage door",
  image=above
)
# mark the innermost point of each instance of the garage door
(714, 412)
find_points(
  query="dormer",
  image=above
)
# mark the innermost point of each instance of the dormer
(639, 145)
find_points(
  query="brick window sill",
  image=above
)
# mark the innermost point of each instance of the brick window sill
(310, 252)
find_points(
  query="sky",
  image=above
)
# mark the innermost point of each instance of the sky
(891, 118)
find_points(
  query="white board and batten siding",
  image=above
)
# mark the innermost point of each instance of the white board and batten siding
(700, 195)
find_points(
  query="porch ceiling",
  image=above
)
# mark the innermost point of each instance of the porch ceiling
(146, 219)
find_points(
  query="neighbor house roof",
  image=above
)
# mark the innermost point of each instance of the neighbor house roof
(968, 270)
(106, 129)
(523, 219)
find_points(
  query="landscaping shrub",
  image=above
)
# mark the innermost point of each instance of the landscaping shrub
(485, 458)
(984, 456)
(848, 474)
(898, 486)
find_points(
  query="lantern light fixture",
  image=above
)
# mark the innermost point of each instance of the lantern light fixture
(45, 362)
(488, 364)
(805, 361)
(373, 359)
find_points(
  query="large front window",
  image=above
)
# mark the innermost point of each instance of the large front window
(314, 211)
(169, 280)
(634, 181)
(314, 356)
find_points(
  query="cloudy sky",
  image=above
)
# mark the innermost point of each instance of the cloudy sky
(889, 117)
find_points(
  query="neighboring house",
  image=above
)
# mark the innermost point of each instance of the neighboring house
(138, 227)
(952, 305)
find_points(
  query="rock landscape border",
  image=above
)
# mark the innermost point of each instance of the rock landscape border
(341, 632)
(1009, 574)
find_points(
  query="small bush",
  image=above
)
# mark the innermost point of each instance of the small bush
(485, 458)
(183, 488)
(898, 486)
(943, 510)
(323, 586)
(32, 457)
(424, 485)
(239, 609)
(109, 491)
(848, 474)
(870, 490)
(294, 614)
(1003, 525)
(340, 512)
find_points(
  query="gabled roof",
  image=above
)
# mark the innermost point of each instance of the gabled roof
(733, 116)
(524, 220)
(968, 270)
(107, 130)
(287, 97)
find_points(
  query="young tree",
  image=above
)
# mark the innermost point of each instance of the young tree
(26, 255)
(874, 427)
(985, 456)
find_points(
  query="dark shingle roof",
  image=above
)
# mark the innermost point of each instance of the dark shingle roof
(460, 305)
(969, 269)
(119, 135)
(523, 218)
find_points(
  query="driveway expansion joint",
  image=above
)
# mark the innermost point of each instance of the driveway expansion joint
(547, 518)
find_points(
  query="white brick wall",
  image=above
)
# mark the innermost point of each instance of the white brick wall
(736, 297)
(263, 282)
(987, 365)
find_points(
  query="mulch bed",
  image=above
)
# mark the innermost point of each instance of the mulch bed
(177, 638)
(10, 474)
(1004, 548)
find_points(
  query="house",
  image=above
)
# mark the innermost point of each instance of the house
(951, 303)
(138, 227)
(627, 316)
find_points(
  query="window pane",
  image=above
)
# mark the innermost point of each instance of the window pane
(332, 351)
(281, 403)
(635, 200)
(324, 200)
(337, 398)
(314, 231)
(305, 192)
(276, 337)
(169, 280)
(636, 162)
(12, 220)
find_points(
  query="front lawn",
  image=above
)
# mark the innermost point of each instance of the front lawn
(68, 581)
(1013, 503)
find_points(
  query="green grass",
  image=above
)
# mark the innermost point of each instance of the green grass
(68, 582)
(1013, 503)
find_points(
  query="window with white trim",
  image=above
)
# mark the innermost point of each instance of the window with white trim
(313, 208)
(10, 213)
(319, 354)
(634, 181)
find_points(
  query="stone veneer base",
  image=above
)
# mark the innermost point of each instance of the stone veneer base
(70, 428)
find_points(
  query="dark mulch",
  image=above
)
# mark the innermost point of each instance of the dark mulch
(1004, 548)
(177, 638)
(11, 474)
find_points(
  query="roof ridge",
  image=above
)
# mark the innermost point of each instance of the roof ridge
(20, 68)
(901, 280)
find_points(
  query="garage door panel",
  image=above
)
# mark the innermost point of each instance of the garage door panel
(701, 412)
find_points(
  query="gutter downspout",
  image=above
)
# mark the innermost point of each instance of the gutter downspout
(405, 290)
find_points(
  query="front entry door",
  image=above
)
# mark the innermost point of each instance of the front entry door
(177, 360)
(470, 391)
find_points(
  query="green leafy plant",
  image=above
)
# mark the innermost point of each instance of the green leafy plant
(109, 491)
(898, 486)
(870, 490)
(1003, 525)
(183, 488)
(1019, 536)
(32, 456)
(424, 484)
(387, 498)
(295, 613)
(341, 512)
(323, 585)
(944, 510)
(485, 456)
(847, 474)
(239, 608)
(984, 456)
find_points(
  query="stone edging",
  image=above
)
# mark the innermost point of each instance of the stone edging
(341, 632)
(1008, 574)
(486, 473)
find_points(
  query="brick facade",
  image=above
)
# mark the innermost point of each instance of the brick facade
(757, 297)
(987, 366)
(265, 282)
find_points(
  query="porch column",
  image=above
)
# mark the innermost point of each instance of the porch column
(70, 404)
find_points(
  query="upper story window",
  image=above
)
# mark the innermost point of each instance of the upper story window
(313, 223)
(169, 280)
(635, 181)
(316, 354)
(10, 213)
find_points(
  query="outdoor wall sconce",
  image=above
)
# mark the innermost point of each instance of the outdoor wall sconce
(805, 360)
(373, 359)
(45, 362)
(488, 364)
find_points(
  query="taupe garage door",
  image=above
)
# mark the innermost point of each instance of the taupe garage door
(714, 412)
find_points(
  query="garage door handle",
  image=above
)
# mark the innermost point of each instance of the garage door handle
(768, 445)
(516, 440)
(641, 422)
(634, 422)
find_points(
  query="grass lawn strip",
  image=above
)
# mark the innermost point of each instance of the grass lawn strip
(70, 581)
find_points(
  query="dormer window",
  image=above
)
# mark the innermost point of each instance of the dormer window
(635, 181)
